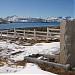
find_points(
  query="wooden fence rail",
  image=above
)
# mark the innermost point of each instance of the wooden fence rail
(49, 34)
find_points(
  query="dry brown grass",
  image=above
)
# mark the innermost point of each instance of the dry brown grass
(2, 60)
(29, 41)
(55, 70)
(56, 27)
(20, 63)
(41, 41)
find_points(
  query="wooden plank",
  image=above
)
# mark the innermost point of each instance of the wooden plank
(54, 33)
(54, 37)
(31, 34)
(34, 60)
(29, 31)
(11, 32)
(3, 31)
(41, 32)
(54, 29)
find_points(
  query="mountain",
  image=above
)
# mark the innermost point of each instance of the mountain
(58, 19)
(3, 21)
(24, 19)
(15, 18)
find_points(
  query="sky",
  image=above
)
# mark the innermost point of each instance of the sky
(37, 8)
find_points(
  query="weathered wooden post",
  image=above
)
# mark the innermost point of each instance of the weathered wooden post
(14, 32)
(7, 33)
(1, 33)
(24, 34)
(34, 34)
(47, 33)
(67, 43)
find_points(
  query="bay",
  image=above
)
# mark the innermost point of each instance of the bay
(24, 25)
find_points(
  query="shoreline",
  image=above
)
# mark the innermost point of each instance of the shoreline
(41, 28)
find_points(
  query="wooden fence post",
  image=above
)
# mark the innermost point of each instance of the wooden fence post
(67, 43)
(7, 33)
(34, 34)
(47, 33)
(14, 32)
(24, 34)
(1, 33)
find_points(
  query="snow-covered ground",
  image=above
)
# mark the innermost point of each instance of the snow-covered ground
(12, 69)
(33, 69)
(7, 49)
(39, 48)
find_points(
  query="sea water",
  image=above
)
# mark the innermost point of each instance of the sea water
(24, 25)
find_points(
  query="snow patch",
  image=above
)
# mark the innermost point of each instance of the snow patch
(39, 48)
(33, 69)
